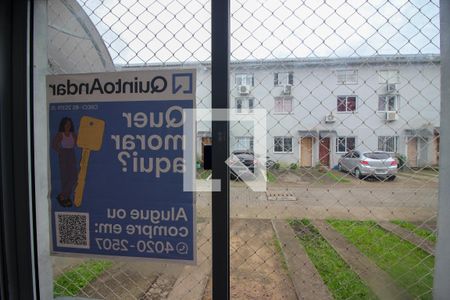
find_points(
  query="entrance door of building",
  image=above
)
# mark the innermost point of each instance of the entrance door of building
(306, 152)
(324, 151)
(412, 152)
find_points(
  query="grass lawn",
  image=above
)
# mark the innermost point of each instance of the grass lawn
(271, 177)
(342, 282)
(203, 174)
(70, 283)
(422, 232)
(410, 267)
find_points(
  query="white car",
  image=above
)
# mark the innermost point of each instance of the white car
(364, 164)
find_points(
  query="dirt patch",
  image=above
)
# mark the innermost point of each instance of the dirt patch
(160, 288)
(256, 267)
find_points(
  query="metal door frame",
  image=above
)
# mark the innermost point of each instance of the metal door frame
(18, 269)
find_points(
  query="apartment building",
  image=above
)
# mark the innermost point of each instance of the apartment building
(318, 109)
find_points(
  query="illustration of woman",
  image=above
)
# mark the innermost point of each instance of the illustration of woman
(64, 144)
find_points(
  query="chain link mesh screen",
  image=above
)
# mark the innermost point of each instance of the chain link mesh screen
(351, 90)
(352, 95)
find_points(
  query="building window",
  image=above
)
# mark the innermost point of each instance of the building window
(243, 143)
(283, 104)
(388, 76)
(244, 105)
(346, 103)
(282, 144)
(387, 102)
(387, 143)
(347, 76)
(345, 144)
(283, 78)
(244, 79)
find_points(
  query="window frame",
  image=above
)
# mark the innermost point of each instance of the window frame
(245, 109)
(385, 137)
(284, 111)
(345, 144)
(251, 142)
(386, 103)
(346, 104)
(346, 75)
(388, 78)
(287, 80)
(246, 76)
(283, 144)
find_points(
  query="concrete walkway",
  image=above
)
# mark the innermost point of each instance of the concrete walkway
(307, 281)
(409, 236)
(193, 279)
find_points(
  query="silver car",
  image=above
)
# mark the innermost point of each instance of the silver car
(364, 164)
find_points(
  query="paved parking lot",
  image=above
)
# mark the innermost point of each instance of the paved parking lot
(411, 196)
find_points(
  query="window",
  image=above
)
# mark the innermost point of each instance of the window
(387, 143)
(283, 78)
(283, 104)
(244, 143)
(346, 103)
(244, 79)
(388, 103)
(244, 105)
(388, 76)
(282, 144)
(345, 144)
(347, 76)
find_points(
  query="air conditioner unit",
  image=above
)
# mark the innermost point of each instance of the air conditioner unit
(388, 88)
(391, 116)
(287, 89)
(244, 89)
(330, 118)
(391, 88)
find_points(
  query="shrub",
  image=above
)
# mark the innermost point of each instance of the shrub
(401, 159)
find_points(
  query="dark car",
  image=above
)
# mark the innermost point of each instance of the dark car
(270, 163)
(242, 163)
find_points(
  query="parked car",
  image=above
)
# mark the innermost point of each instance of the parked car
(270, 163)
(364, 164)
(247, 158)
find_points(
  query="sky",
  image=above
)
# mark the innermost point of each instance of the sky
(178, 31)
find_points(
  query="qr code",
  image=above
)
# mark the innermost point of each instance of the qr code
(72, 229)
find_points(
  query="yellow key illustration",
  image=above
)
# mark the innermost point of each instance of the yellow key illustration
(90, 138)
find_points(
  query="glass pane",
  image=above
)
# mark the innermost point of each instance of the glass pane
(86, 37)
(341, 145)
(351, 103)
(341, 104)
(287, 105)
(350, 144)
(392, 104)
(292, 239)
(278, 105)
(288, 144)
(278, 144)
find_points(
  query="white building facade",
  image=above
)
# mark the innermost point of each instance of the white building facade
(318, 109)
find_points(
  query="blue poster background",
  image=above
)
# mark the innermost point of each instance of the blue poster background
(108, 187)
